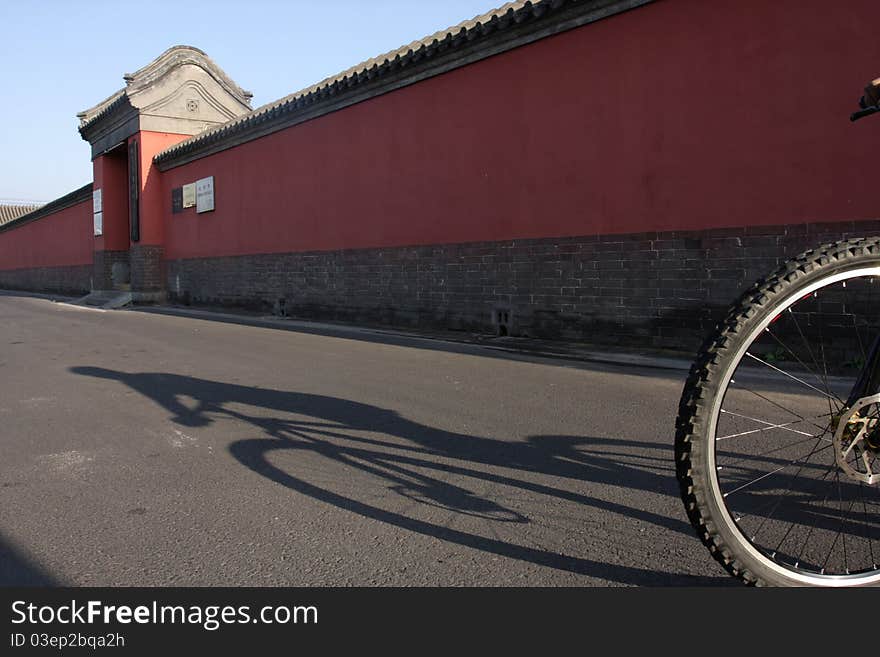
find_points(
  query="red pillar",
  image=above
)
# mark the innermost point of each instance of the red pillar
(111, 246)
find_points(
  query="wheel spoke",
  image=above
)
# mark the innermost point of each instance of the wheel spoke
(791, 376)
(775, 502)
(769, 474)
(823, 380)
(867, 524)
(779, 406)
(813, 526)
(806, 342)
(791, 525)
(769, 425)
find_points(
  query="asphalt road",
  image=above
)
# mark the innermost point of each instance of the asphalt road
(142, 449)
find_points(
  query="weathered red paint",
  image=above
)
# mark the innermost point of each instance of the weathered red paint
(683, 114)
(55, 240)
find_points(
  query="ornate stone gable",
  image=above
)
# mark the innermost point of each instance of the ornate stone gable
(182, 91)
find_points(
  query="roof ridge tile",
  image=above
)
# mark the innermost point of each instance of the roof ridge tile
(468, 31)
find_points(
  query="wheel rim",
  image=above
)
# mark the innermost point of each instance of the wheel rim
(775, 452)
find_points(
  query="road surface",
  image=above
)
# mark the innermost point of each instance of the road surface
(142, 449)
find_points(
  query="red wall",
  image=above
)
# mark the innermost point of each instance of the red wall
(153, 204)
(683, 114)
(63, 238)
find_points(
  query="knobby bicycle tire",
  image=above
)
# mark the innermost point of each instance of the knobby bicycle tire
(703, 395)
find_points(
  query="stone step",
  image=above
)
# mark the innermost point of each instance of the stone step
(107, 299)
(119, 301)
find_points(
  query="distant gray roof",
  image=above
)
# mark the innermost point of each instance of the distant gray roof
(10, 211)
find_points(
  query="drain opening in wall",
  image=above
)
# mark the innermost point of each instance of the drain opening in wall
(501, 319)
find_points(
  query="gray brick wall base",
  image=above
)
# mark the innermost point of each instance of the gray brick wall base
(147, 269)
(653, 289)
(71, 280)
(102, 278)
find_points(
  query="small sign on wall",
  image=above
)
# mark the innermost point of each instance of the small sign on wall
(98, 212)
(189, 195)
(205, 194)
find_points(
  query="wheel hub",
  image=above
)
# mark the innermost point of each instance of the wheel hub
(856, 437)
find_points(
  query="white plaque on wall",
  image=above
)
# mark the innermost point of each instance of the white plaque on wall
(189, 195)
(98, 212)
(205, 194)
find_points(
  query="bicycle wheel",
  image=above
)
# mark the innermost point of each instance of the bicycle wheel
(776, 444)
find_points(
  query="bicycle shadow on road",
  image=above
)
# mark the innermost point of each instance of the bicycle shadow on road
(425, 465)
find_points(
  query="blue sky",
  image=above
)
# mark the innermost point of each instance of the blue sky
(58, 57)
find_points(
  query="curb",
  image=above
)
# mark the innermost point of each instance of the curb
(523, 346)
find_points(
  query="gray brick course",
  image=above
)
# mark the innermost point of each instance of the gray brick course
(73, 280)
(649, 289)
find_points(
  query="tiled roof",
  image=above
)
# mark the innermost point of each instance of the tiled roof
(90, 115)
(488, 34)
(10, 211)
(508, 13)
